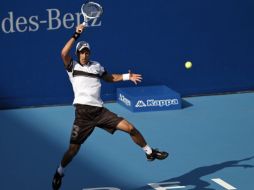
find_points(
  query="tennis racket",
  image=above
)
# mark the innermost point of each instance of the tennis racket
(90, 11)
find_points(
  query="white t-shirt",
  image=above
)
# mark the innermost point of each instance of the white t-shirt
(85, 80)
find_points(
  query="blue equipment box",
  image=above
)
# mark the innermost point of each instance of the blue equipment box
(149, 98)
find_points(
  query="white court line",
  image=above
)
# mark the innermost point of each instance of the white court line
(223, 184)
(172, 185)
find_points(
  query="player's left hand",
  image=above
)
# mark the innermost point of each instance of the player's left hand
(135, 77)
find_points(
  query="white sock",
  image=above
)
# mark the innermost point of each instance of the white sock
(60, 170)
(147, 149)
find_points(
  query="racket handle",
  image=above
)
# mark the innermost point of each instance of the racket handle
(84, 24)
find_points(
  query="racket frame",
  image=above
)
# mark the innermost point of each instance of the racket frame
(86, 17)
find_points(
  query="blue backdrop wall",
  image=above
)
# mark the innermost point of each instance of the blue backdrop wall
(151, 37)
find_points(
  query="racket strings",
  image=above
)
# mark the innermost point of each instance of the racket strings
(91, 10)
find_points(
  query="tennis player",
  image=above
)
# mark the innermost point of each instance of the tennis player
(85, 76)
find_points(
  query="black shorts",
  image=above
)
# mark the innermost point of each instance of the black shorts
(88, 117)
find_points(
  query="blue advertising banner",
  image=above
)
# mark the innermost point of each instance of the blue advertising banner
(153, 38)
(149, 98)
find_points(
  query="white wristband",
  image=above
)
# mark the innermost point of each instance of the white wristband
(126, 76)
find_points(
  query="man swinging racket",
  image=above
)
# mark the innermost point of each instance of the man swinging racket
(85, 76)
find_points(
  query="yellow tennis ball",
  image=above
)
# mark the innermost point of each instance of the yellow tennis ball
(188, 65)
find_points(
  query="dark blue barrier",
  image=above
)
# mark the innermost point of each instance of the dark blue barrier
(154, 38)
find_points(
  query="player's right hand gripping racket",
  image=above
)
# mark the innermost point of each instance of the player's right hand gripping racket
(90, 11)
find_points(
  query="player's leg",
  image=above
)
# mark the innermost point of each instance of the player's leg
(82, 129)
(67, 158)
(111, 122)
(69, 154)
(78, 137)
(138, 138)
(134, 133)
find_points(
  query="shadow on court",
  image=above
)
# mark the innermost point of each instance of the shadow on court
(26, 156)
(193, 178)
(186, 104)
(29, 158)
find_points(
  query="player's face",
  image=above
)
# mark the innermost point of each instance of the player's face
(84, 56)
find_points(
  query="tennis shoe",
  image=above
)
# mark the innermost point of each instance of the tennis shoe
(156, 154)
(57, 181)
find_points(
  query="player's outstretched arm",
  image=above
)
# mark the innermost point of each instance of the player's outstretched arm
(135, 78)
(65, 53)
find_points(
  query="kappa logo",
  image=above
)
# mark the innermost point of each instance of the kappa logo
(156, 103)
(140, 104)
(123, 99)
(162, 103)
